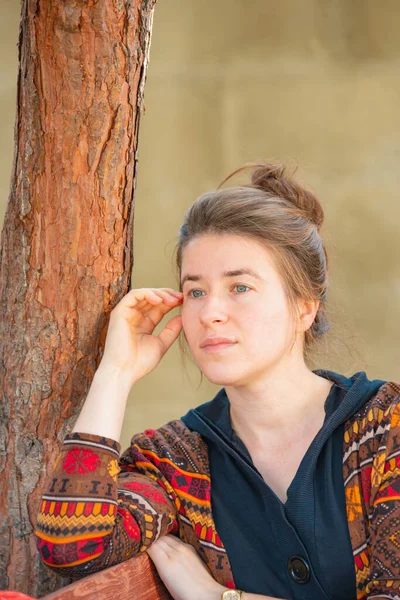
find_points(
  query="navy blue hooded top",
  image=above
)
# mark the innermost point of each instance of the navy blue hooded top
(299, 549)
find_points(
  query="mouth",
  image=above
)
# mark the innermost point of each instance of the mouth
(212, 348)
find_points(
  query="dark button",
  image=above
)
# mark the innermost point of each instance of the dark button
(298, 569)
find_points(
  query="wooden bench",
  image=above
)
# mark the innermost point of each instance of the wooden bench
(135, 579)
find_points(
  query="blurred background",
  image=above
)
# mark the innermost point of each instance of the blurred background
(308, 82)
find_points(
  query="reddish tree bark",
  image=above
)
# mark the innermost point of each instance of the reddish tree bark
(66, 247)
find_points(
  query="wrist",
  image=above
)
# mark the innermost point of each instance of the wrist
(106, 372)
(231, 594)
(215, 592)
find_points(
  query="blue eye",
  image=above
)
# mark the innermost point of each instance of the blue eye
(239, 285)
(191, 293)
(241, 289)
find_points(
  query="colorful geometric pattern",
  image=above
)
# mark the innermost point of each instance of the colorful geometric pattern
(97, 510)
(371, 471)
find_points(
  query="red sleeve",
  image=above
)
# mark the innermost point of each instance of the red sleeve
(96, 510)
(384, 526)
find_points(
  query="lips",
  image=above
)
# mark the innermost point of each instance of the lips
(215, 341)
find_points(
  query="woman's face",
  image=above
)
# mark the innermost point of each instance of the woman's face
(231, 289)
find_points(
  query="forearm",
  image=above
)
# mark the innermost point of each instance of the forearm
(104, 408)
(81, 488)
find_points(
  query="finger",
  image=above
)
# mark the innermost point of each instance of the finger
(135, 296)
(158, 552)
(162, 292)
(164, 549)
(168, 300)
(166, 546)
(152, 316)
(143, 301)
(170, 332)
(155, 314)
(145, 305)
(168, 291)
(179, 545)
(173, 547)
(165, 540)
(137, 299)
(173, 542)
(176, 293)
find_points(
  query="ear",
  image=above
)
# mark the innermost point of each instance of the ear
(306, 312)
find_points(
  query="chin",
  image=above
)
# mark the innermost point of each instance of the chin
(222, 376)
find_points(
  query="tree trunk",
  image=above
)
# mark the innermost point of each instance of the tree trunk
(66, 247)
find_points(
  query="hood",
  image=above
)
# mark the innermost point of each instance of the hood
(212, 419)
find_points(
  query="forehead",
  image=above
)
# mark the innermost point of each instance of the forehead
(215, 254)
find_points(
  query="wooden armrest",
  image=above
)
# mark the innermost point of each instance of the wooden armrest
(134, 579)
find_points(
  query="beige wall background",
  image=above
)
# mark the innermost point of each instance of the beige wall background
(315, 82)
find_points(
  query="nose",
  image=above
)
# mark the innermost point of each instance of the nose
(213, 310)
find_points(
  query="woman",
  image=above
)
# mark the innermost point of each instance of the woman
(286, 483)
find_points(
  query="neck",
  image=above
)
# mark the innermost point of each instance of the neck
(280, 400)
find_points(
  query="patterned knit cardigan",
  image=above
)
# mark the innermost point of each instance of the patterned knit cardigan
(98, 509)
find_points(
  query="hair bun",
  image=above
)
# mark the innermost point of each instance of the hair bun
(272, 179)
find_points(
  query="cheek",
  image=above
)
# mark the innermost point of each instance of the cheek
(268, 322)
(188, 322)
(184, 315)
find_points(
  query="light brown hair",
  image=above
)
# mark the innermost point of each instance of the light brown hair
(281, 214)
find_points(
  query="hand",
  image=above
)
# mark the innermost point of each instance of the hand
(183, 572)
(130, 346)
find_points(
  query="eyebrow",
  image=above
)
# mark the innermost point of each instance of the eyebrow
(226, 274)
